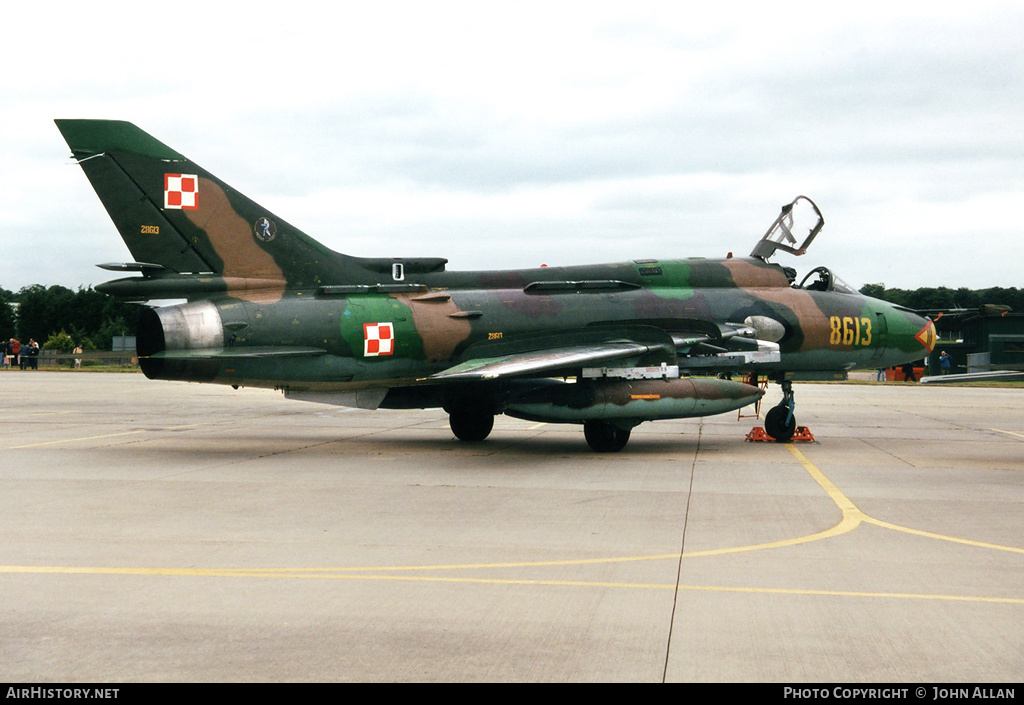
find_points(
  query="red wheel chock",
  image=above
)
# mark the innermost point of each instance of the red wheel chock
(801, 434)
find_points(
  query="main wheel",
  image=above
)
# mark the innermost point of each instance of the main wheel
(471, 425)
(604, 437)
(775, 424)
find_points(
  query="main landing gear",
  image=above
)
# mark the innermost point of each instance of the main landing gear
(472, 421)
(474, 425)
(471, 424)
(605, 437)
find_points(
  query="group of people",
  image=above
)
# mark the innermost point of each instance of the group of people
(15, 354)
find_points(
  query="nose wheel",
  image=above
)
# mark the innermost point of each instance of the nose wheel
(779, 422)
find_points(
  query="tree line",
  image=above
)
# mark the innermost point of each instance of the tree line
(933, 298)
(59, 319)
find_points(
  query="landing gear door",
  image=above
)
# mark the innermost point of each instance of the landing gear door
(794, 229)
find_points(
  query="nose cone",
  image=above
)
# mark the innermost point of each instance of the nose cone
(906, 336)
(927, 336)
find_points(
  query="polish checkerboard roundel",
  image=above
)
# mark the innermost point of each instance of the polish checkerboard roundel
(181, 191)
(378, 339)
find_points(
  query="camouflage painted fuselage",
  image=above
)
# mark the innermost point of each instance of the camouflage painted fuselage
(446, 318)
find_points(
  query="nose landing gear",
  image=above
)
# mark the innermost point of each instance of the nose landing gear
(779, 422)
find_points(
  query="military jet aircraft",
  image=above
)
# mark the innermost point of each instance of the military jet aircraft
(606, 346)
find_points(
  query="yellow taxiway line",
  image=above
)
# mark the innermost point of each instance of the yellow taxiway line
(852, 517)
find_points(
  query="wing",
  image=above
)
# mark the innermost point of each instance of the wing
(545, 362)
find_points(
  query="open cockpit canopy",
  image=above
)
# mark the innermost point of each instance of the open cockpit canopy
(794, 229)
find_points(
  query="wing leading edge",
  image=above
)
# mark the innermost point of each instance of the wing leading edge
(542, 362)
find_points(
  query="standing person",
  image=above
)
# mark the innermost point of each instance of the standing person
(15, 348)
(78, 359)
(945, 364)
(908, 373)
(33, 354)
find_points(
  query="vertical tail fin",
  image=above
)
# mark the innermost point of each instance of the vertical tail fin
(174, 214)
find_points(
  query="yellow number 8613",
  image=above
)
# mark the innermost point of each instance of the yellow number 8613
(849, 331)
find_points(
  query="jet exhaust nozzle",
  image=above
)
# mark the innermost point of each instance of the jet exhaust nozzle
(167, 334)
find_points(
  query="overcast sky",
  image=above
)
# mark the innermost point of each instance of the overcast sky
(511, 134)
